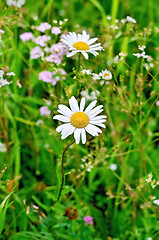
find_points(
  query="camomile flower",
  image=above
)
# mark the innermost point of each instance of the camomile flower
(79, 121)
(81, 43)
(105, 74)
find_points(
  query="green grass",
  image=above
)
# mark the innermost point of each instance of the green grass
(120, 201)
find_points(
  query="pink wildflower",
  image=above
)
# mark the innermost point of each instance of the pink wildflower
(57, 51)
(45, 111)
(88, 220)
(28, 210)
(45, 76)
(26, 36)
(55, 80)
(54, 58)
(41, 40)
(43, 27)
(56, 30)
(36, 53)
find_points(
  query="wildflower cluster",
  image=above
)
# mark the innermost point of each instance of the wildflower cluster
(120, 23)
(49, 49)
(15, 3)
(3, 80)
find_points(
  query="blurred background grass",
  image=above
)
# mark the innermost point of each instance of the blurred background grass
(120, 201)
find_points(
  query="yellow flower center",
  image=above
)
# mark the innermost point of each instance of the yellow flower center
(106, 75)
(81, 46)
(79, 119)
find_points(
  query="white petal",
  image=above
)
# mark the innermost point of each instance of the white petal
(66, 111)
(85, 55)
(82, 104)
(61, 118)
(98, 124)
(91, 116)
(83, 135)
(94, 53)
(95, 129)
(62, 127)
(69, 131)
(73, 104)
(92, 111)
(91, 41)
(97, 121)
(90, 131)
(77, 133)
(71, 54)
(99, 117)
(90, 106)
(95, 45)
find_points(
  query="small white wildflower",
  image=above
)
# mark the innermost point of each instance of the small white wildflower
(113, 166)
(156, 202)
(18, 3)
(141, 47)
(149, 58)
(10, 74)
(109, 18)
(121, 54)
(123, 20)
(89, 166)
(114, 27)
(138, 55)
(142, 55)
(60, 23)
(92, 96)
(3, 82)
(1, 73)
(147, 66)
(149, 178)
(151, 65)
(39, 122)
(157, 103)
(86, 71)
(130, 19)
(105, 74)
(3, 147)
(116, 59)
(95, 76)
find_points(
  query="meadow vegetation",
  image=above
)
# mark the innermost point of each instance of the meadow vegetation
(110, 181)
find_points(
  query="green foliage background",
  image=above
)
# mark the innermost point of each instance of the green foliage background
(120, 201)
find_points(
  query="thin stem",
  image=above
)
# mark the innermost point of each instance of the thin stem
(78, 64)
(62, 169)
(77, 76)
(5, 136)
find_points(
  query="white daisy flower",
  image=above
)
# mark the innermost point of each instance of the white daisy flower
(81, 43)
(86, 71)
(105, 74)
(95, 76)
(79, 121)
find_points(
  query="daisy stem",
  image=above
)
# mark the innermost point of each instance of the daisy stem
(77, 71)
(62, 169)
(78, 64)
